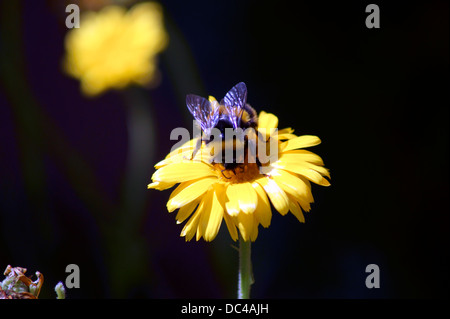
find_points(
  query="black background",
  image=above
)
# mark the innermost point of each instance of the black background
(375, 97)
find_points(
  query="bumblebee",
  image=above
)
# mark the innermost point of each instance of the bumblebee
(233, 112)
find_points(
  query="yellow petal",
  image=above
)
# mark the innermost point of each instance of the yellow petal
(263, 212)
(322, 170)
(160, 185)
(176, 158)
(211, 218)
(306, 160)
(188, 146)
(204, 214)
(254, 233)
(297, 156)
(183, 171)
(185, 211)
(232, 207)
(286, 136)
(277, 196)
(231, 226)
(246, 224)
(295, 209)
(242, 197)
(296, 163)
(309, 173)
(202, 155)
(305, 204)
(300, 142)
(190, 228)
(290, 183)
(186, 192)
(305, 201)
(286, 130)
(184, 152)
(229, 220)
(267, 120)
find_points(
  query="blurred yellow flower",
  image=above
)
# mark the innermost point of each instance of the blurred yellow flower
(208, 193)
(116, 47)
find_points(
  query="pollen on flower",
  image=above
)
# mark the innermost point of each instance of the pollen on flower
(240, 174)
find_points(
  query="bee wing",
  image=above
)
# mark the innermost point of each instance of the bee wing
(235, 101)
(203, 112)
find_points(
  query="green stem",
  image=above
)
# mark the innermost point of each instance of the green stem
(245, 279)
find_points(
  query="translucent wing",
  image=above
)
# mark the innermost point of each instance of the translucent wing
(203, 112)
(235, 101)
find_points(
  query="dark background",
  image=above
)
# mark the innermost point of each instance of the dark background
(376, 98)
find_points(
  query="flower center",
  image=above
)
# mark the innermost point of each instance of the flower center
(241, 173)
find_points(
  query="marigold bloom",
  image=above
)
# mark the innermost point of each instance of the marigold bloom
(206, 196)
(116, 47)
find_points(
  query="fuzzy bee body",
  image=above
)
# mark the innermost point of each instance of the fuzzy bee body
(233, 112)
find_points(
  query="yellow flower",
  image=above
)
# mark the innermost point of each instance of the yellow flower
(115, 47)
(208, 194)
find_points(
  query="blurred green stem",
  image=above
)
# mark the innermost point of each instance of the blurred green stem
(245, 279)
(141, 143)
(126, 243)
